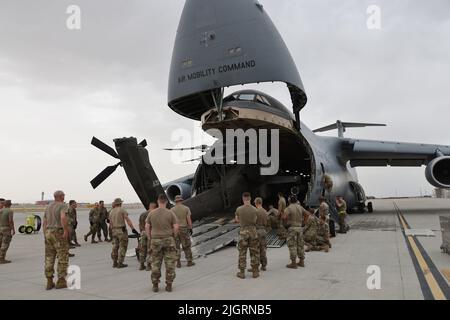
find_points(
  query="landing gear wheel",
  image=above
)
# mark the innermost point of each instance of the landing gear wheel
(22, 229)
(29, 230)
(370, 207)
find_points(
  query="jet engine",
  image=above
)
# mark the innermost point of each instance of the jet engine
(438, 172)
(176, 189)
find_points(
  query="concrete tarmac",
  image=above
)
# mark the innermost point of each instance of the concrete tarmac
(375, 239)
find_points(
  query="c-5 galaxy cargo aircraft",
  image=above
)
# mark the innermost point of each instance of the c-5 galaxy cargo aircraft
(222, 43)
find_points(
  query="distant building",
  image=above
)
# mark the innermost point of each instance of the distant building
(43, 202)
(442, 193)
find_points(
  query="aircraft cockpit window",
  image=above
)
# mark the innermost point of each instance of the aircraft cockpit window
(263, 100)
(247, 97)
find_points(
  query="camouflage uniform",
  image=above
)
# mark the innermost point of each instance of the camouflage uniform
(281, 229)
(144, 242)
(183, 237)
(342, 213)
(162, 244)
(248, 237)
(294, 214)
(72, 224)
(94, 219)
(310, 230)
(119, 235)
(5, 231)
(261, 224)
(323, 234)
(273, 220)
(55, 244)
(102, 225)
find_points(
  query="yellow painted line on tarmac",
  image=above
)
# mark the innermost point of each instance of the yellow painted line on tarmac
(431, 281)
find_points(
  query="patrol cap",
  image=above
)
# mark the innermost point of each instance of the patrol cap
(178, 198)
(117, 201)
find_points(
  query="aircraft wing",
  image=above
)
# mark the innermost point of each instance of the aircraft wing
(371, 153)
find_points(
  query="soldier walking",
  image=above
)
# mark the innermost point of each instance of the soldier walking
(161, 227)
(94, 220)
(293, 215)
(246, 216)
(183, 237)
(7, 230)
(117, 217)
(261, 225)
(102, 224)
(144, 242)
(56, 241)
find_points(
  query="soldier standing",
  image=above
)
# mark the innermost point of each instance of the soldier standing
(261, 224)
(144, 242)
(342, 213)
(7, 230)
(183, 237)
(293, 215)
(94, 220)
(282, 232)
(161, 227)
(102, 224)
(117, 217)
(310, 231)
(56, 241)
(72, 223)
(246, 216)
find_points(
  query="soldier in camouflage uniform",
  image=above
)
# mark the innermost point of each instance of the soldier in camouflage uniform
(293, 215)
(72, 223)
(117, 217)
(102, 224)
(183, 237)
(161, 227)
(7, 230)
(282, 232)
(144, 241)
(310, 230)
(272, 218)
(261, 225)
(323, 235)
(246, 216)
(342, 213)
(56, 241)
(94, 220)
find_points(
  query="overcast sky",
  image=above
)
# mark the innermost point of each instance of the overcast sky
(58, 87)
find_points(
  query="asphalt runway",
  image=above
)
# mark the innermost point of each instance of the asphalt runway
(410, 267)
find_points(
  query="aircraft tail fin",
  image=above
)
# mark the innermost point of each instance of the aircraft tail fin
(341, 126)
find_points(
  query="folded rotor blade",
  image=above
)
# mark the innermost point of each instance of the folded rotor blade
(102, 176)
(104, 147)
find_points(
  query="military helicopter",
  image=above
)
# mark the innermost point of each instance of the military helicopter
(223, 43)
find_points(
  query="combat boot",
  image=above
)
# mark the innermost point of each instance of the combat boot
(71, 255)
(148, 267)
(308, 248)
(301, 263)
(255, 273)
(263, 268)
(190, 263)
(241, 274)
(100, 240)
(93, 241)
(50, 284)
(115, 264)
(178, 264)
(121, 265)
(142, 267)
(85, 238)
(61, 283)
(168, 287)
(155, 287)
(325, 248)
(292, 265)
(4, 261)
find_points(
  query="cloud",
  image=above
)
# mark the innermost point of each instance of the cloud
(58, 87)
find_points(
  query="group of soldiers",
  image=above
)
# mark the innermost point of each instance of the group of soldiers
(300, 228)
(164, 233)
